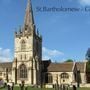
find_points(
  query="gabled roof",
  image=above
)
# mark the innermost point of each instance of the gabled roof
(61, 67)
(80, 66)
(5, 65)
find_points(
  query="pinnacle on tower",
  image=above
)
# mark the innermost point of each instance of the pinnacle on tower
(29, 20)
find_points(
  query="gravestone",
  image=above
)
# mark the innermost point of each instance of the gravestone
(74, 87)
(5, 85)
(21, 86)
(8, 87)
(66, 87)
(55, 86)
(63, 87)
(12, 86)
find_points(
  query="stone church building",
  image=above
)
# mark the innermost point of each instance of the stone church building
(28, 65)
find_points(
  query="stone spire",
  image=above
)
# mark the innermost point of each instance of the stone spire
(29, 19)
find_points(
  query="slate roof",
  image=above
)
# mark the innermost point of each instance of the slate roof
(51, 67)
(5, 65)
(61, 67)
(80, 66)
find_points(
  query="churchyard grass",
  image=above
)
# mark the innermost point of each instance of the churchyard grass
(83, 89)
(29, 88)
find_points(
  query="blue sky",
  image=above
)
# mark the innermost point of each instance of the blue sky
(66, 35)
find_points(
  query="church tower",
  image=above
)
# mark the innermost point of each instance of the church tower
(28, 51)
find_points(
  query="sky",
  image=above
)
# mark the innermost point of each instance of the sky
(66, 34)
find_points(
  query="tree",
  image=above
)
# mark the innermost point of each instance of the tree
(88, 54)
(69, 60)
(88, 66)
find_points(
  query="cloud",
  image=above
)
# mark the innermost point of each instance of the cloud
(5, 55)
(50, 54)
(84, 2)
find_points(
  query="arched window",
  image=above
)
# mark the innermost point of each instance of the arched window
(64, 76)
(23, 45)
(22, 71)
